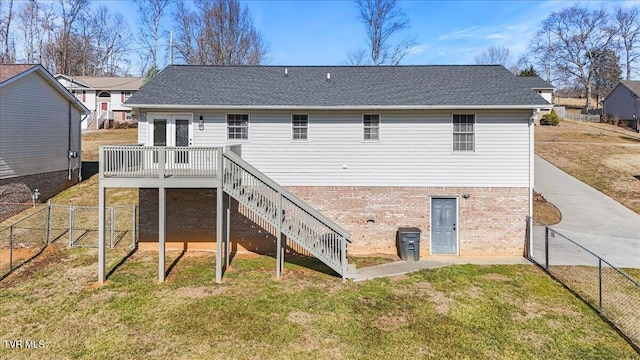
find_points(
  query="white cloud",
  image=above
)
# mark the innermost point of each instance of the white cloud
(497, 36)
(465, 33)
(417, 49)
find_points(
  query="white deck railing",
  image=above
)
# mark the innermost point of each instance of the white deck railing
(158, 161)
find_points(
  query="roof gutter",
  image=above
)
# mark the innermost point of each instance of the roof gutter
(340, 107)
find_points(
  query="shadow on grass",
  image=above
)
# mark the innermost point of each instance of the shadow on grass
(89, 168)
(122, 261)
(176, 261)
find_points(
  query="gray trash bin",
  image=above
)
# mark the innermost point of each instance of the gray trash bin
(408, 243)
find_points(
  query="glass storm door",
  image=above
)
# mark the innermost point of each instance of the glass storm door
(172, 131)
(181, 138)
(444, 214)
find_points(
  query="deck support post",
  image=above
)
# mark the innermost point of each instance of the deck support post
(219, 217)
(162, 201)
(227, 227)
(279, 254)
(102, 274)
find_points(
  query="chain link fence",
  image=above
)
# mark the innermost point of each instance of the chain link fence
(80, 223)
(26, 229)
(609, 290)
(23, 235)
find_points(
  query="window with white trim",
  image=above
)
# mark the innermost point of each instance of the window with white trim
(464, 132)
(238, 126)
(299, 127)
(371, 127)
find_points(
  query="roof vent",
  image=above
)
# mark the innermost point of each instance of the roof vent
(286, 72)
(328, 77)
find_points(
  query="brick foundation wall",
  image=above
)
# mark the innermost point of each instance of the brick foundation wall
(19, 189)
(491, 221)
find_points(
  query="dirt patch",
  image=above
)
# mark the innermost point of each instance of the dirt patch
(474, 292)
(197, 292)
(389, 323)
(397, 278)
(496, 277)
(441, 302)
(301, 317)
(50, 256)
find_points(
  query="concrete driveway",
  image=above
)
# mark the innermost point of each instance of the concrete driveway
(590, 218)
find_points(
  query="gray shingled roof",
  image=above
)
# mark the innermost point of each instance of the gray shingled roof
(535, 82)
(350, 86)
(633, 85)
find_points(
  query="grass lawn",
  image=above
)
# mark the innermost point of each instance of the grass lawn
(602, 156)
(91, 141)
(467, 311)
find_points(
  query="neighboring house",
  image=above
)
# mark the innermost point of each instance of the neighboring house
(541, 88)
(39, 140)
(623, 103)
(446, 149)
(103, 96)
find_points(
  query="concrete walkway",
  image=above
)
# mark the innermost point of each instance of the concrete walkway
(589, 217)
(404, 267)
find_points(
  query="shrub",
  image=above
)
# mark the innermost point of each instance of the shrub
(550, 119)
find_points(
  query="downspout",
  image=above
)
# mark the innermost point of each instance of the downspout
(69, 171)
(79, 162)
(532, 122)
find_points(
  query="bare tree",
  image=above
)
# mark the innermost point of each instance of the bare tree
(627, 23)
(64, 42)
(110, 42)
(8, 54)
(568, 39)
(151, 14)
(382, 19)
(357, 57)
(495, 55)
(220, 32)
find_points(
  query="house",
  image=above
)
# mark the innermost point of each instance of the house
(262, 158)
(623, 103)
(39, 134)
(539, 86)
(104, 96)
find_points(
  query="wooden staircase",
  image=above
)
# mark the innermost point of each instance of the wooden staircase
(299, 221)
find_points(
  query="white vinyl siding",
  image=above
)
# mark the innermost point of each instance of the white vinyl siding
(501, 156)
(34, 128)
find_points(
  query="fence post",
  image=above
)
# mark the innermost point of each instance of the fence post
(600, 284)
(71, 226)
(10, 247)
(546, 248)
(48, 221)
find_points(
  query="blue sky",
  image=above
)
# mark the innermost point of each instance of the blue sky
(447, 32)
